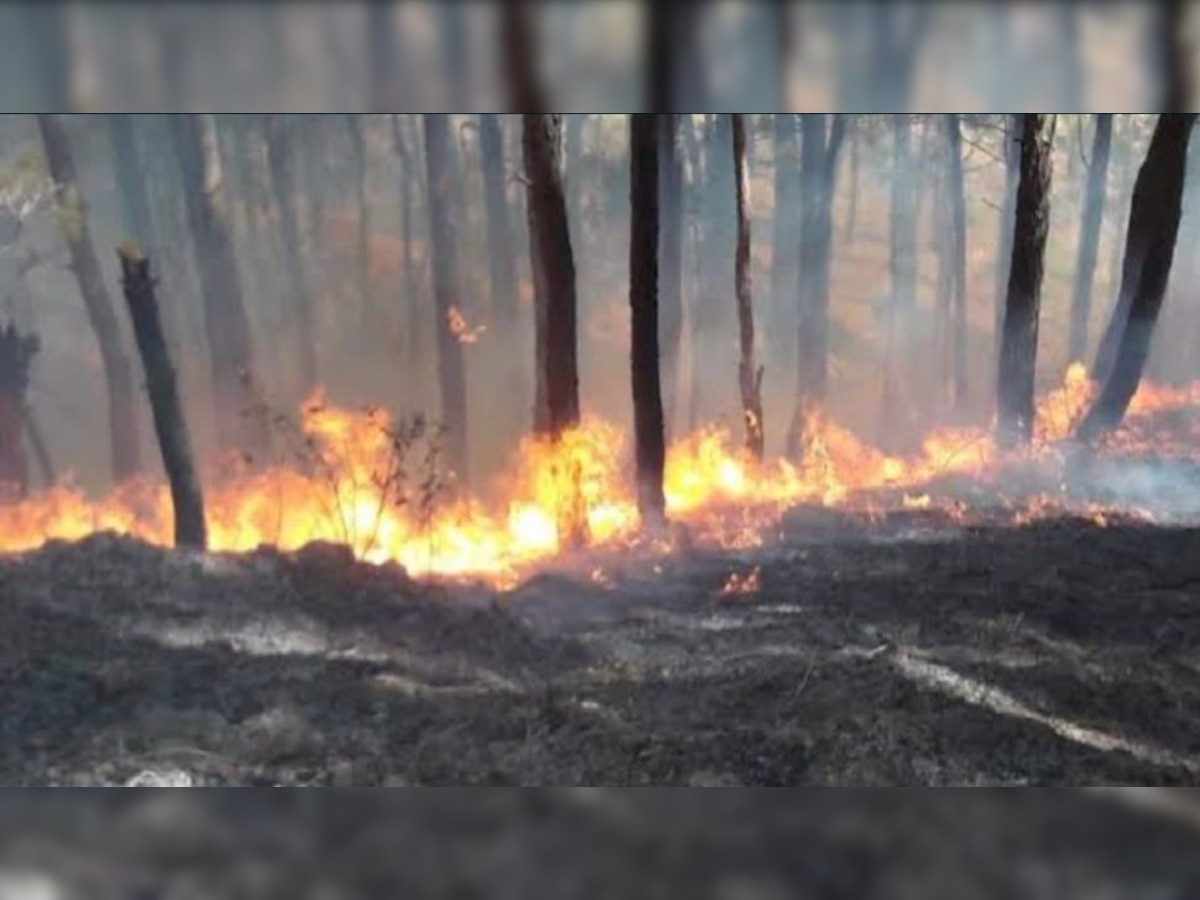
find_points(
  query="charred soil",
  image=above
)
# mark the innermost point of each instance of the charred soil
(1058, 653)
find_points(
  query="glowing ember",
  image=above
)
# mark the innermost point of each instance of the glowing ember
(743, 585)
(373, 484)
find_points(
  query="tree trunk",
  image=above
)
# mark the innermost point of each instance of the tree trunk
(1089, 237)
(711, 319)
(551, 257)
(118, 374)
(131, 188)
(957, 208)
(501, 255)
(451, 377)
(169, 421)
(573, 178)
(671, 211)
(554, 284)
(643, 305)
(750, 374)
(818, 163)
(358, 145)
(855, 179)
(16, 356)
(903, 230)
(281, 159)
(1018, 349)
(239, 424)
(783, 253)
(410, 179)
(1154, 217)
(382, 70)
(1013, 129)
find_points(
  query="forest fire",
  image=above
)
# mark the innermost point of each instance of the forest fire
(365, 481)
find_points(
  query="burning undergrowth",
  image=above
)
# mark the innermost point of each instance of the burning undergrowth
(376, 485)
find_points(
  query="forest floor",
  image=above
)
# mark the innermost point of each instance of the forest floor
(1057, 653)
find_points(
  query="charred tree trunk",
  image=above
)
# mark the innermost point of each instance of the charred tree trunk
(643, 304)
(1013, 137)
(750, 374)
(451, 377)
(1149, 251)
(554, 281)
(957, 209)
(118, 374)
(281, 160)
(1089, 237)
(16, 356)
(169, 422)
(671, 211)
(239, 424)
(1018, 349)
(501, 255)
(818, 161)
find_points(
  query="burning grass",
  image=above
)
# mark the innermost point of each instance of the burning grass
(360, 479)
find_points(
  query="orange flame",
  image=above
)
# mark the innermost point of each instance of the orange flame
(350, 489)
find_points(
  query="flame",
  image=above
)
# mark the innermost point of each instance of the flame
(373, 484)
(462, 330)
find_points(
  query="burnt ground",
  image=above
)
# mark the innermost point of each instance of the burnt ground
(1059, 653)
(892, 653)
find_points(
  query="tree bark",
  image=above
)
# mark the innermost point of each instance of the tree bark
(130, 176)
(855, 182)
(118, 374)
(362, 244)
(818, 162)
(1089, 237)
(554, 283)
(903, 231)
(643, 305)
(750, 374)
(239, 424)
(1018, 349)
(501, 255)
(711, 319)
(671, 211)
(1013, 135)
(410, 178)
(1154, 217)
(783, 253)
(382, 70)
(957, 208)
(451, 377)
(551, 257)
(16, 356)
(169, 422)
(281, 159)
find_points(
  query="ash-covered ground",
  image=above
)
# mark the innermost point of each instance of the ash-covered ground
(847, 653)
